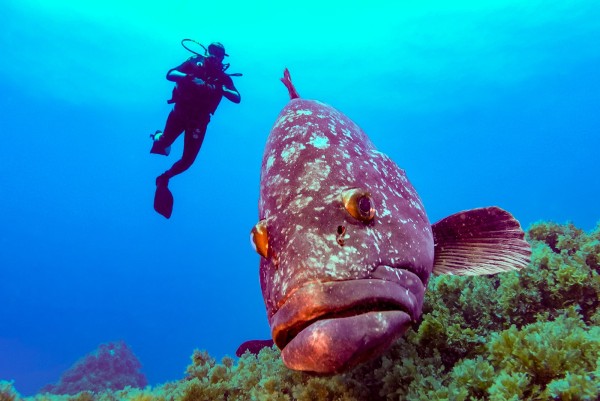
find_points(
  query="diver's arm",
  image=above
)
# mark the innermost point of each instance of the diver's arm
(232, 95)
(230, 92)
(175, 75)
(184, 71)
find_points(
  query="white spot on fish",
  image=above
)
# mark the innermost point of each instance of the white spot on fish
(415, 205)
(296, 132)
(319, 142)
(314, 173)
(291, 152)
(331, 126)
(347, 132)
(303, 112)
(300, 203)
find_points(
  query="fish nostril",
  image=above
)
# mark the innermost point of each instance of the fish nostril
(341, 232)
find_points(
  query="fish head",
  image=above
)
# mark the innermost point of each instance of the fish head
(347, 248)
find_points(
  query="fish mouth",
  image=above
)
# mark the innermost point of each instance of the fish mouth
(329, 327)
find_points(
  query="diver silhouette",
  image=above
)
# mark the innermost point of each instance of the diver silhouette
(200, 84)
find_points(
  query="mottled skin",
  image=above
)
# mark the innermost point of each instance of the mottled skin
(340, 285)
(312, 155)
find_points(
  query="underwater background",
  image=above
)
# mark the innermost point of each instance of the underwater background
(493, 103)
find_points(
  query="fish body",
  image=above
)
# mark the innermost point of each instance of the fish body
(347, 247)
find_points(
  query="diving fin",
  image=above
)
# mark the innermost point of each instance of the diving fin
(163, 201)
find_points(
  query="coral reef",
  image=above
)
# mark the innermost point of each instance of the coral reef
(7, 392)
(528, 335)
(112, 366)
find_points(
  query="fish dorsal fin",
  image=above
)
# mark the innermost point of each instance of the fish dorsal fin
(479, 241)
(287, 81)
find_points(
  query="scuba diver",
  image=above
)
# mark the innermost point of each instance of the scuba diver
(200, 83)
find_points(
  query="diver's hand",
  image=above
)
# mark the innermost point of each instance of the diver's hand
(198, 81)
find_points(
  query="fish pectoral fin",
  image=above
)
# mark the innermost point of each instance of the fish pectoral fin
(479, 241)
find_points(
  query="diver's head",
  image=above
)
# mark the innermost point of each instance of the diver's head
(216, 53)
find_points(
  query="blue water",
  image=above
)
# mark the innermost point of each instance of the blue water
(494, 104)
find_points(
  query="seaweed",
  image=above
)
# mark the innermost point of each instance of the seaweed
(527, 335)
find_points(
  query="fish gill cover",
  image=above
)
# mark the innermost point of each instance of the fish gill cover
(526, 335)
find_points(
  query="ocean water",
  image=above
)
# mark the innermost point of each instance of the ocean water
(493, 103)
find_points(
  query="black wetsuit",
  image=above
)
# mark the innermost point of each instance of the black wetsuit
(194, 105)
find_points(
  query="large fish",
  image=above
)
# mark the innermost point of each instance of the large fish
(347, 248)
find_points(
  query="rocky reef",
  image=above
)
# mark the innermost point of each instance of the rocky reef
(112, 366)
(528, 335)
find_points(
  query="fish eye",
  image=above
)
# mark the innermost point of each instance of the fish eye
(260, 239)
(359, 204)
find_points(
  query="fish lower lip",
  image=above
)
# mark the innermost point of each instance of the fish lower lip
(334, 345)
(345, 312)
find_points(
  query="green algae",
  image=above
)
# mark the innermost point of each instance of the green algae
(528, 335)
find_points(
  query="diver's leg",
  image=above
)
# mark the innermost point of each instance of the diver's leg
(192, 142)
(173, 128)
